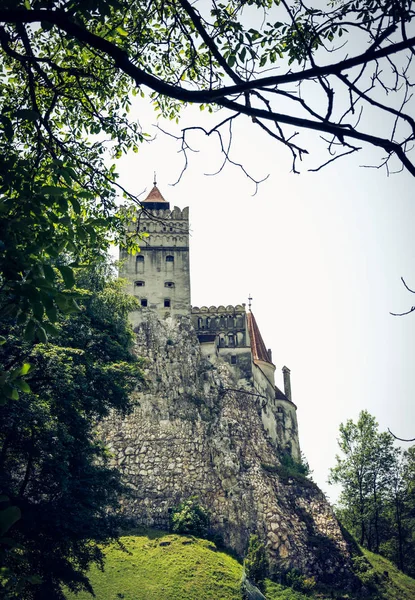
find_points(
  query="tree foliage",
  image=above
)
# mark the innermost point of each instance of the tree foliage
(256, 562)
(296, 67)
(190, 517)
(376, 502)
(53, 467)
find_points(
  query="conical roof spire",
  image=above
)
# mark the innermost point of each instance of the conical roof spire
(155, 199)
(258, 348)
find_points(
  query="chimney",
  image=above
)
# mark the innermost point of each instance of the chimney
(287, 382)
(269, 354)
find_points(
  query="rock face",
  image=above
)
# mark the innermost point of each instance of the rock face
(196, 430)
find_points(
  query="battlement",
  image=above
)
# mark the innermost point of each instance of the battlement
(162, 214)
(237, 309)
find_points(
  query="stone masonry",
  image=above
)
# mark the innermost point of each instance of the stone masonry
(195, 429)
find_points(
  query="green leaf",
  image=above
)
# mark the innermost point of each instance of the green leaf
(51, 329)
(49, 273)
(23, 386)
(68, 276)
(26, 367)
(121, 31)
(8, 127)
(52, 314)
(29, 332)
(8, 517)
(75, 204)
(41, 334)
(19, 371)
(10, 392)
(38, 310)
(2, 340)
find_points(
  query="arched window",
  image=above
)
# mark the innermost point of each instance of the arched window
(139, 283)
(170, 258)
(139, 263)
(169, 284)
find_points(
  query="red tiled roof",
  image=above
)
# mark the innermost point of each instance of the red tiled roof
(259, 350)
(154, 196)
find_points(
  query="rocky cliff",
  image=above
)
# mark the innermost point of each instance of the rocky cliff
(196, 429)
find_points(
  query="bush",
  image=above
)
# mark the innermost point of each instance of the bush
(256, 562)
(365, 572)
(190, 517)
(300, 582)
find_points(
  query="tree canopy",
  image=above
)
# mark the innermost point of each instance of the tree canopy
(377, 502)
(297, 67)
(53, 466)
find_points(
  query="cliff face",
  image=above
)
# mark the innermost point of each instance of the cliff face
(195, 430)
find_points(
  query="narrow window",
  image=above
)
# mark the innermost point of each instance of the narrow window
(139, 283)
(169, 284)
(231, 341)
(143, 301)
(167, 303)
(169, 258)
(139, 264)
(233, 359)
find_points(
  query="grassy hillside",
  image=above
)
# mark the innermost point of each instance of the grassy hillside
(159, 566)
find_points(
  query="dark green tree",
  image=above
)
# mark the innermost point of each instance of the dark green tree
(256, 562)
(378, 483)
(190, 517)
(53, 466)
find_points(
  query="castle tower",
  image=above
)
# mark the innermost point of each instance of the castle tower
(159, 274)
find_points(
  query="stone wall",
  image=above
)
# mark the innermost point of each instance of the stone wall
(196, 429)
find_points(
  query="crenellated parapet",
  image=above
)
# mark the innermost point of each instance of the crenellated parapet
(162, 214)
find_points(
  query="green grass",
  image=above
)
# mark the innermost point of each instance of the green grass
(396, 586)
(160, 566)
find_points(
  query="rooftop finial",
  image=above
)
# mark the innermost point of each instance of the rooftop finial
(155, 179)
(249, 301)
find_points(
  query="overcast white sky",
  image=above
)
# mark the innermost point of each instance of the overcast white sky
(322, 255)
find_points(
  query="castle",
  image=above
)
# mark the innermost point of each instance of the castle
(159, 276)
(209, 420)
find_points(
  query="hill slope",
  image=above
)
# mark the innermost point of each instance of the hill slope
(155, 565)
(160, 566)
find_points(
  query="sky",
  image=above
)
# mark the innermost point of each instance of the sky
(321, 254)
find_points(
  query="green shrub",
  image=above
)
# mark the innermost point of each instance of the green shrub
(300, 582)
(365, 572)
(190, 517)
(256, 562)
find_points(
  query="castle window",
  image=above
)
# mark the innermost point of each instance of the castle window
(144, 302)
(231, 340)
(233, 359)
(171, 228)
(167, 303)
(169, 284)
(169, 258)
(139, 264)
(139, 283)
